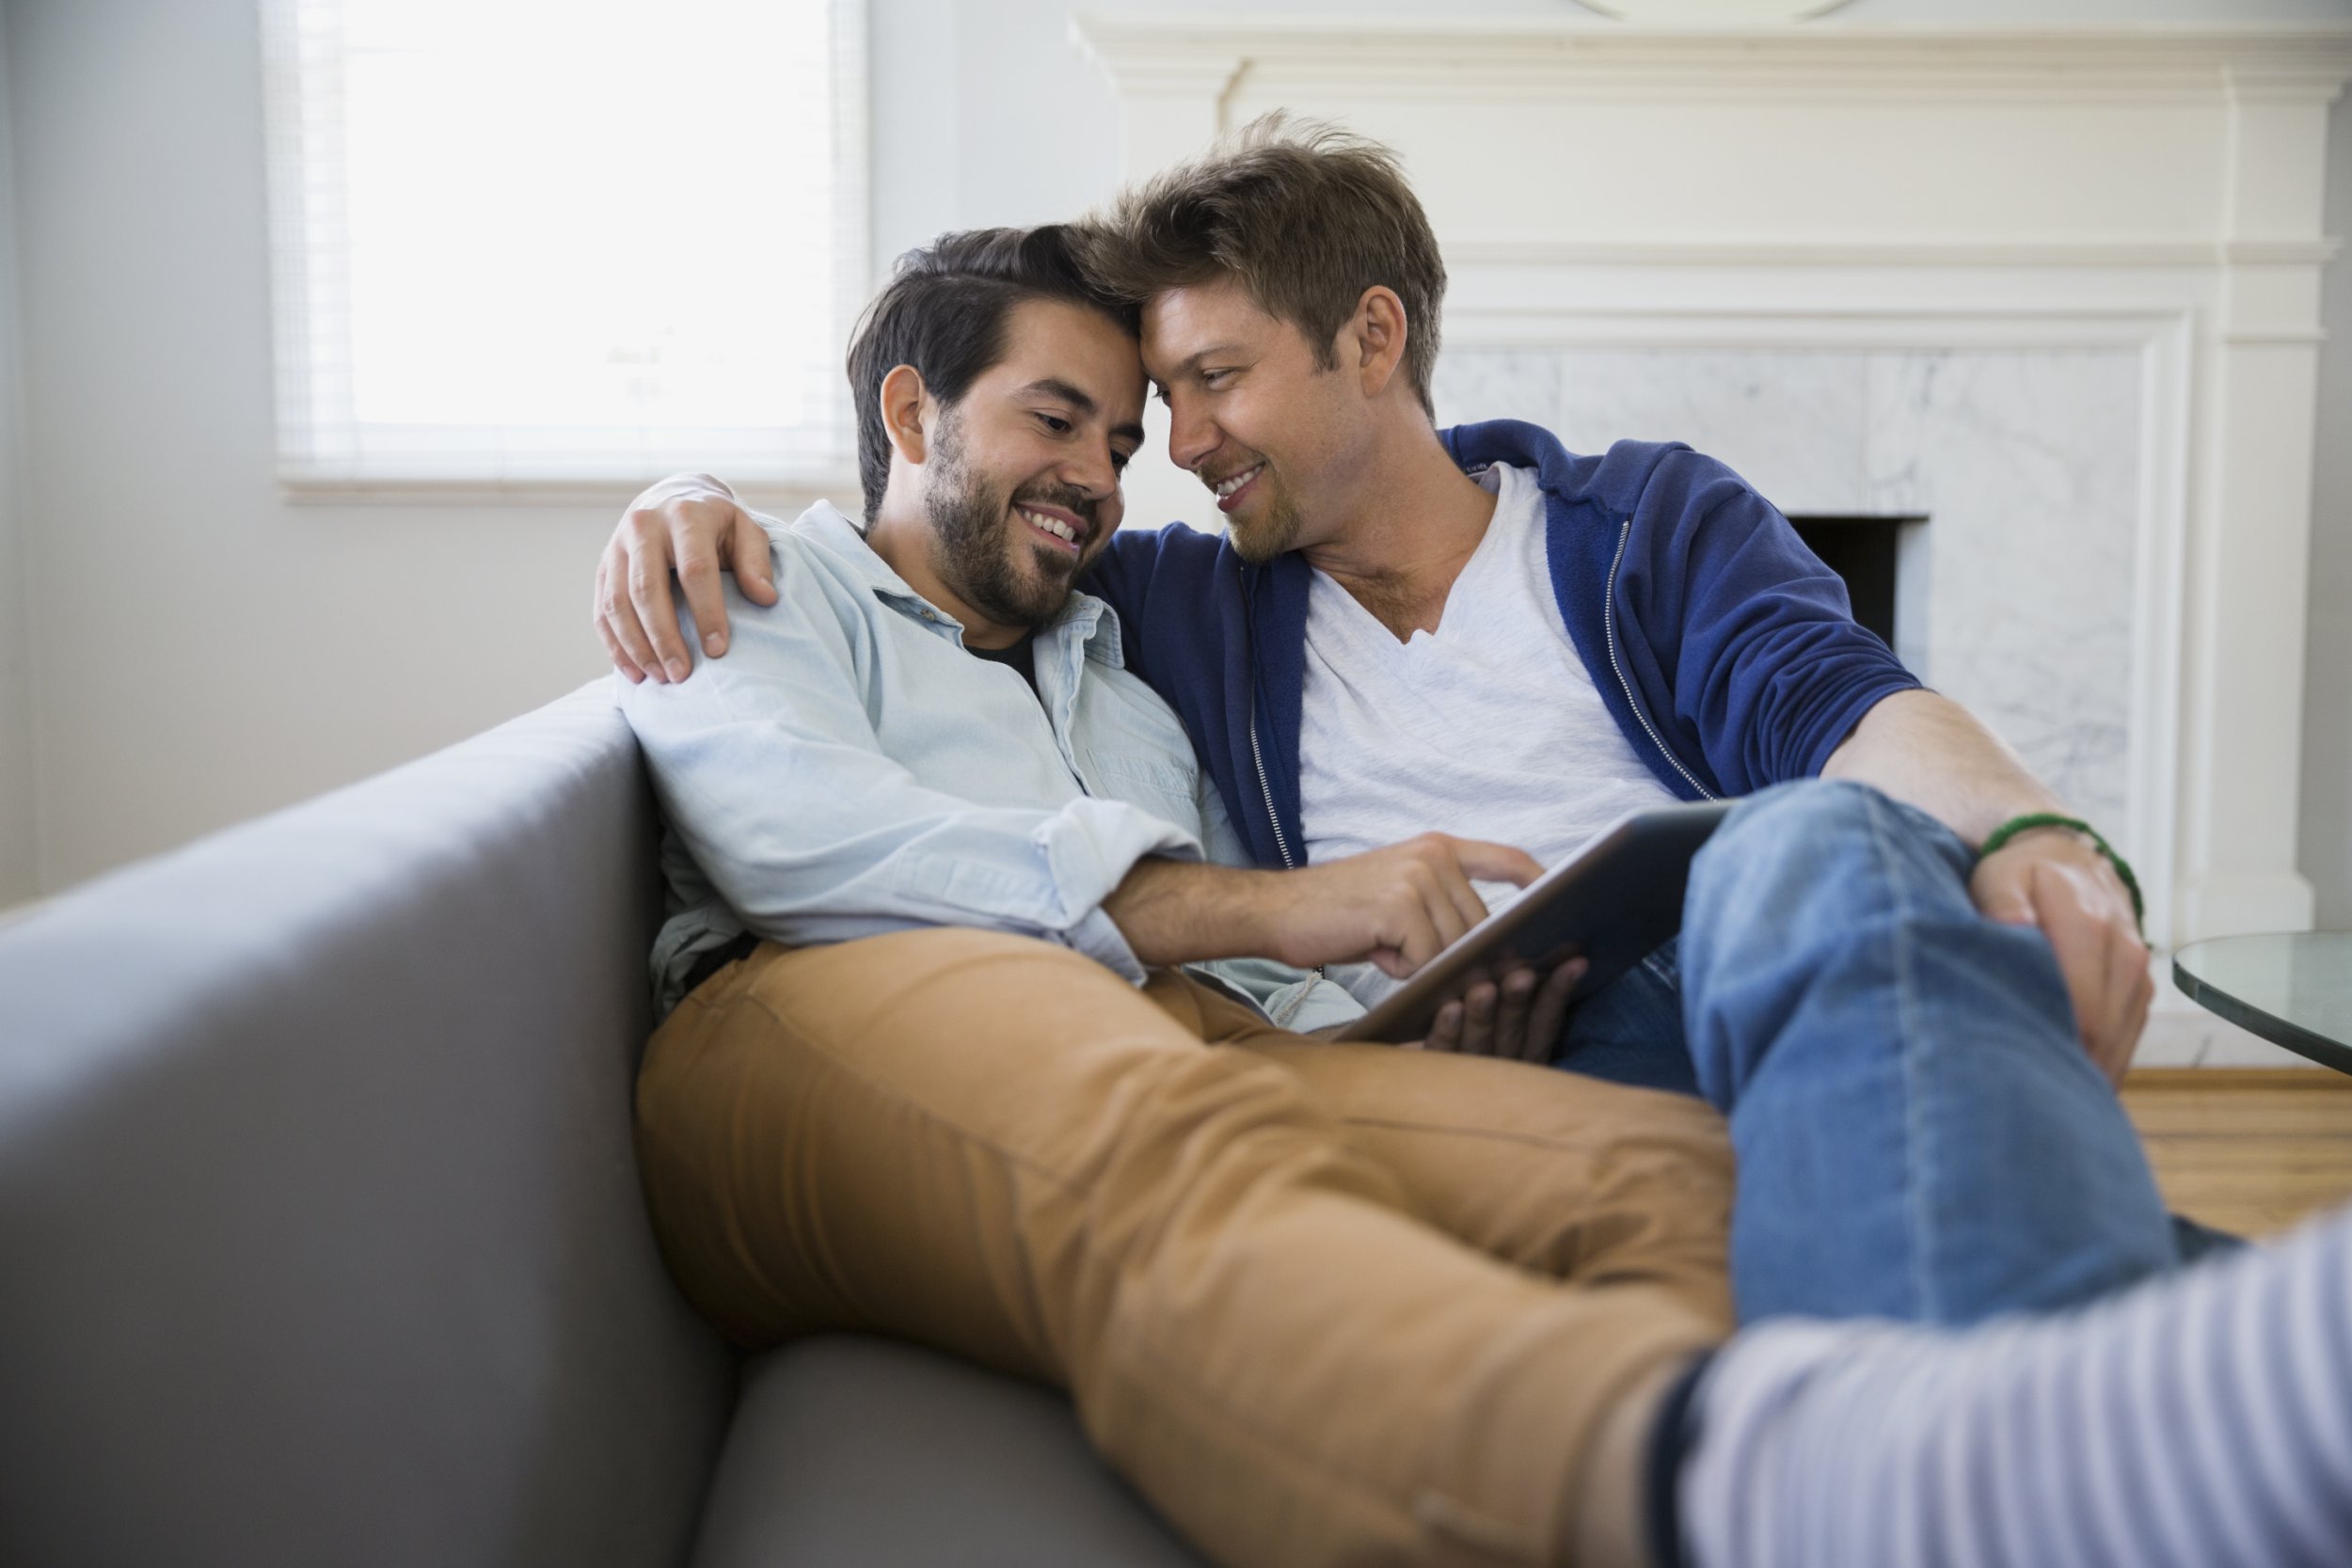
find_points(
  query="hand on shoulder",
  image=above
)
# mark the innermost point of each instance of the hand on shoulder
(691, 524)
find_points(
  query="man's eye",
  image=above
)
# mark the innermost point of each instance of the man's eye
(1212, 379)
(1058, 425)
(1120, 459)
(1161, 393)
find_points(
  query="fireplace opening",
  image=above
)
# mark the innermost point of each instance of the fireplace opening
(1863, 551)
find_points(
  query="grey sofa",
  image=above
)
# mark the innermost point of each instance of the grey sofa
(321, 1242)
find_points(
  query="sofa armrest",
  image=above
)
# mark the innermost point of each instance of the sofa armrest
(319, 1233)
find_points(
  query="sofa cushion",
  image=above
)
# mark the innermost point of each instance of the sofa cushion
(320, 1240)
(849, 1451)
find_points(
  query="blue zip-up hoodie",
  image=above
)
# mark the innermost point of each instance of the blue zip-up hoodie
(1724, 648)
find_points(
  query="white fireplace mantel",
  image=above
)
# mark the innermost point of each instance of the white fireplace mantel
(2149, 190)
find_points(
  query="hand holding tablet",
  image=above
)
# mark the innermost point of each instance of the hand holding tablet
(1518, 1016)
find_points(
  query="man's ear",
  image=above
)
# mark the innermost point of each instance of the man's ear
(1373, 337)
(904, 400)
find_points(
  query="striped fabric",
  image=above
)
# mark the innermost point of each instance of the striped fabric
(2200, 1421)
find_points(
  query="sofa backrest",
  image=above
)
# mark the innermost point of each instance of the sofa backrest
(320, 1241)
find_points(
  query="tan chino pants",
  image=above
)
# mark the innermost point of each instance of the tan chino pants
(1321, 1304)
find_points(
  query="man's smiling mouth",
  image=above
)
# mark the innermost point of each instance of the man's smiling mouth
(1230, 489)
(1064, 530)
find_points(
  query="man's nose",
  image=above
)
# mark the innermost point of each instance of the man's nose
(1191, 435)
(1093, 468)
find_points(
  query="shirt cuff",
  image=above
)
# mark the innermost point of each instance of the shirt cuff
(683, 485)
(1089, 848)
(1098, 936)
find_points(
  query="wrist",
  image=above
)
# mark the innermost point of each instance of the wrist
(2041, 822)
(1990, 816)
(2030, 824)
(2050, 832)
(1184, 911)
(1241, 908)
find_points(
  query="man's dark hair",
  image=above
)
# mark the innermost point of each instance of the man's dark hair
(944, 312)
(1305, 215)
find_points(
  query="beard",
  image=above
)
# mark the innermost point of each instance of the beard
(970, 519)
(1277, 523)
(1275, 531)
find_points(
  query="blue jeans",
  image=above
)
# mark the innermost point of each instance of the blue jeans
(1920, 1134)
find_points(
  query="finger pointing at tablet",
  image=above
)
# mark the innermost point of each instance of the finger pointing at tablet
(1397, 906)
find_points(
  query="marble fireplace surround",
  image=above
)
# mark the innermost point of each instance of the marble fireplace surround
(2056, 288)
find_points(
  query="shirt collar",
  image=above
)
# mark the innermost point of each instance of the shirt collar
(1084, 617)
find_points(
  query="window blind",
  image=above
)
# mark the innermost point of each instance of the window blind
(556, 241)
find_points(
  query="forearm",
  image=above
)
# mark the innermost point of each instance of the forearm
(1929, 751)
(1184, 911)
(795, 869)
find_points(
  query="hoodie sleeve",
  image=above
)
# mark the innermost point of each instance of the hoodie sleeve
(1756, 637)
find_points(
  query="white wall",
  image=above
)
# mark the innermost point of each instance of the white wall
(2069, 12)
(983, 113)
(202, 650)
(17, 818)
(2327, 822)
(2327, 799)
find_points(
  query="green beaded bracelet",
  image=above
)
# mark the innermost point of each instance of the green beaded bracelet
(2031, 821)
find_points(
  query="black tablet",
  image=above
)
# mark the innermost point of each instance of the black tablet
(1613, 901)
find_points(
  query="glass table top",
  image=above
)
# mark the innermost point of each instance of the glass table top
(2294, 991)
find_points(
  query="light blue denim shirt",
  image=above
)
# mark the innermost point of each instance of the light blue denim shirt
(849, 768)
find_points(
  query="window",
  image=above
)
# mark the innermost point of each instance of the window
(524, 242)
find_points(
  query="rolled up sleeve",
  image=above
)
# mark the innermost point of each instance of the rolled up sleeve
(1090, 846)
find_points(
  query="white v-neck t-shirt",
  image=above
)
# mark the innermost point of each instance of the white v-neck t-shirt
(1489, 727)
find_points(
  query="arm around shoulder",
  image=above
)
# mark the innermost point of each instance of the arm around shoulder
(693, 526)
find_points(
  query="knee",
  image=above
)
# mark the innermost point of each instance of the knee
(1663, 1216)
(1819, 837)
(1802, 810)
(1773, 841)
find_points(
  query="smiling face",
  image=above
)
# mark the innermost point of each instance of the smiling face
(1021, 479)
(1278, 438)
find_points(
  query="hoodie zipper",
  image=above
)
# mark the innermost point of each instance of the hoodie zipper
(1257, 757)
(1265, 789)
(1609, 627)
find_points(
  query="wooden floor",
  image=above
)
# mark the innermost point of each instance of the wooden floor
(2251, 1151)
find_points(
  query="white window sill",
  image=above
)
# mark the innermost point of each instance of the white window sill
(781, 498)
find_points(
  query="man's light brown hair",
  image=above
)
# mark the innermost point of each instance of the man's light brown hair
(1304, 215)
